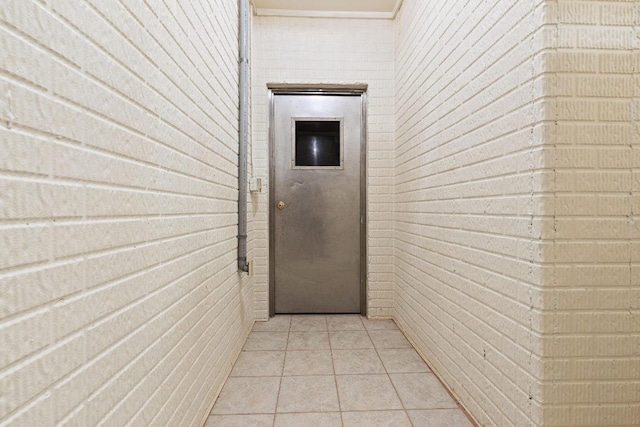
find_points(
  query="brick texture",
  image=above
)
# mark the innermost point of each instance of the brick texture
(471, 188)
(119, 296)
(592, 294)
(516, 205)
(330, 51)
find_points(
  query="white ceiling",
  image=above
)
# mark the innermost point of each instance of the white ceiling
(381, 9)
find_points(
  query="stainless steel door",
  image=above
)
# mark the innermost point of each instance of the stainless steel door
(316, 197)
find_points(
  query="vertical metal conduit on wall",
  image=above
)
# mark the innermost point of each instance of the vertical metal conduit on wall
(243, 131)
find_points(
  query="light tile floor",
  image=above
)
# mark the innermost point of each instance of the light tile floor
(332, 370)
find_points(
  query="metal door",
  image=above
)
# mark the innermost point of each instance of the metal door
(317, 215)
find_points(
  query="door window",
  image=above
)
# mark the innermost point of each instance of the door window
(317, 143)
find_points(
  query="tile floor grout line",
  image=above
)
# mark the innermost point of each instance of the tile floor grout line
(284, 362)
(404, 408)
(335, 379)
(333, 367)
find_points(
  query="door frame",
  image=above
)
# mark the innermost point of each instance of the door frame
(334, 90)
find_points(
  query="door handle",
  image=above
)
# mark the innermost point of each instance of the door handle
(280, 205)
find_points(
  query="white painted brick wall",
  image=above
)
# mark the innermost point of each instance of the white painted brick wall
(592, 297)
(517, 208)
(330, 51)
(471, 192)
(119, 297)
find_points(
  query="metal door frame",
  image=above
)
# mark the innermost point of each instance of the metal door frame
(275, 90)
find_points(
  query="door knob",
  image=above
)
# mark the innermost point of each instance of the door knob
(280, 205)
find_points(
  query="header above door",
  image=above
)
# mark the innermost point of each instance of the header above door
(371, 9)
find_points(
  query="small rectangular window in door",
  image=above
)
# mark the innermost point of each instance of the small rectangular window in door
(317, 143)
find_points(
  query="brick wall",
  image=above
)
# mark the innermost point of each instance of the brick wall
(470, 192)
(119, 296)
(592, 295)
(516, 205)
(330, 51)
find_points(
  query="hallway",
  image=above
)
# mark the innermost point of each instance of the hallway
(333, 370)
(499, 212)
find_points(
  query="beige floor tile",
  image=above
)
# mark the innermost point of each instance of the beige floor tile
(279, 323)
(363, 361)
(366, 392)
(266, 341)
(308, 394)
(304, 370)
(389, 339)
(258, 420)
(345, 322)
(259, 364)
(402, 360)
(422, 391)
(440, 418)
(375, 418)
(248, 395)
(308, 362)
(308, 341)
(310, 322)
(350, 339)
(379, 324)
(314, 419)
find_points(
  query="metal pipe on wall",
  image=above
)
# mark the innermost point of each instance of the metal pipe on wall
(243, 131)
